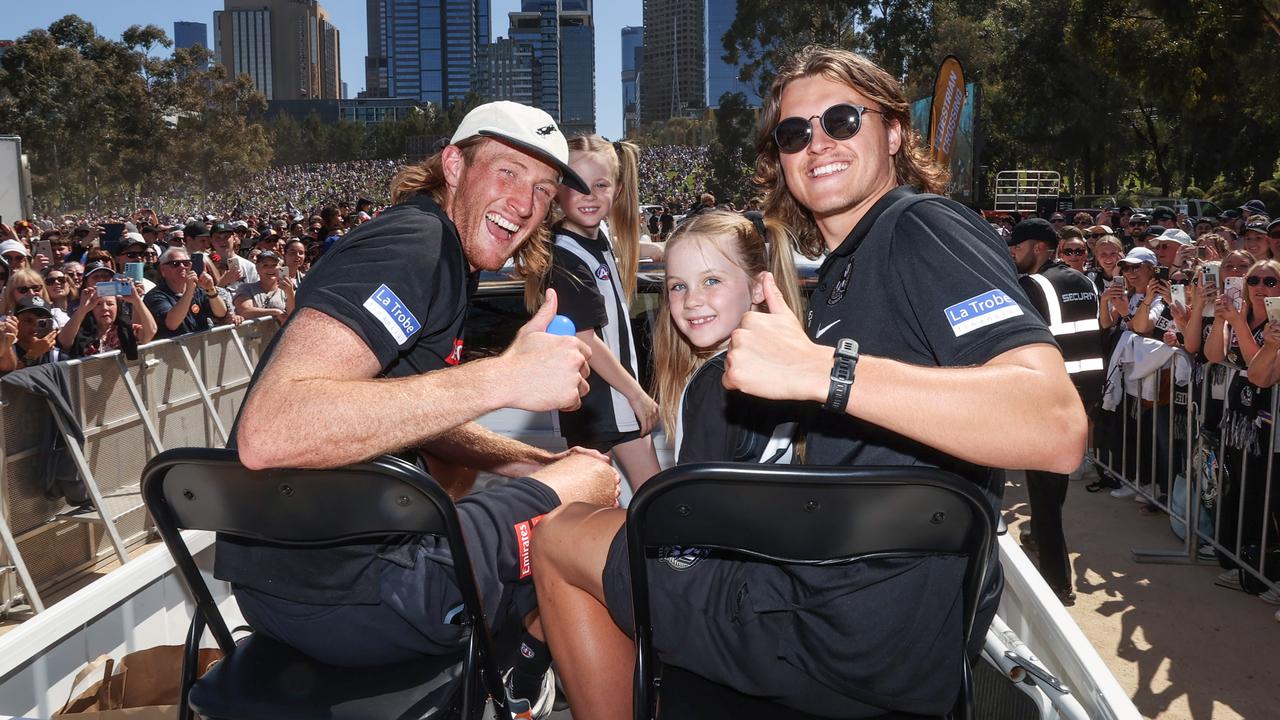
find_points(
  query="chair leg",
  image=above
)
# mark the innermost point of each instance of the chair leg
(190, 663)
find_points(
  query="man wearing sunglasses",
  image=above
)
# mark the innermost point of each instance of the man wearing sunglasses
(182, 302)
(919, 349)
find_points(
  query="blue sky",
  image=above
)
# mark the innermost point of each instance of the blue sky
(111, 17)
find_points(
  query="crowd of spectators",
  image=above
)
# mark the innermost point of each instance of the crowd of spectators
(1199, 300)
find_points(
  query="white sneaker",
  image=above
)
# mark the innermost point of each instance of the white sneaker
(538, 708)
(1124, 491)
(1229, 579)
(1271, 597)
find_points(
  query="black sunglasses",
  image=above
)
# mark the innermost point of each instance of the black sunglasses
(839, 122)
(1097, 236)
(178, 263)
(1254, 280)
(1073, 251)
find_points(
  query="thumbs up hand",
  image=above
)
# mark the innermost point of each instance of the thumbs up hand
(771, 356)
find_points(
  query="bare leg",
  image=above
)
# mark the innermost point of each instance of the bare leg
(638, 459)
(594, 658)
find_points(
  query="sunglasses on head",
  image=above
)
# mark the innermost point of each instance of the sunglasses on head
(839, 122)
(1255, 280)
(1073, 251)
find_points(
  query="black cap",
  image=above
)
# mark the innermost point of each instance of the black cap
(1233, 213)
(1273, 226)
(1163, 213)
(195, 229)
(1254, 207)
(98, 266)
(1139, 217)
(221, 228)
(1154, 231)
(1257, 226)
(35, 304)
(1033, 229)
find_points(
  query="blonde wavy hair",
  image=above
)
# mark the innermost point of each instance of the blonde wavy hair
(739, 240)
(623, 159)
(912, 163)
(532, 258)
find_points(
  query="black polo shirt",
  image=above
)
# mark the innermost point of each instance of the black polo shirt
(936, 288)
(927, 283)
(401, 283)
(718, 425)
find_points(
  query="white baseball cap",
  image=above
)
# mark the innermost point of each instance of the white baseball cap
(13, 246)
(528, 128)
(1138, 256)
(1175, 235)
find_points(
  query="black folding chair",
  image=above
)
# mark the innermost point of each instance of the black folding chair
(263, 679)
(846, 514)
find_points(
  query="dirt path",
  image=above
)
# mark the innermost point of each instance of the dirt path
(1183, 648)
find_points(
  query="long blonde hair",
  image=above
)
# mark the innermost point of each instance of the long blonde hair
(738, 238)
(912, 163)
(624, 214)
(532, 258)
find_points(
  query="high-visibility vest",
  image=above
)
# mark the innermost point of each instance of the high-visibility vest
(1070, 307)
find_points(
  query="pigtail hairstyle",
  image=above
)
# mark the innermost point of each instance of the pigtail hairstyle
(624, 216)
(743, 243)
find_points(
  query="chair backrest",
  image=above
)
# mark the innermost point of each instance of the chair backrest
(208, 489)
(802, 514)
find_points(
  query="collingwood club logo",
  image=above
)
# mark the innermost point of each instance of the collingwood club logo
(546, 130)
(681, 558)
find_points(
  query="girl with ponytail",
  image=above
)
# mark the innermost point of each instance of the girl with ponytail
(715, 266)
(593, 271)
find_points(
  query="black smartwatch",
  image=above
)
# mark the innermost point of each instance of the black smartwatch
(842, 375)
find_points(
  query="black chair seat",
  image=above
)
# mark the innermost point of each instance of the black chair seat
(268, 680)
(687, 695)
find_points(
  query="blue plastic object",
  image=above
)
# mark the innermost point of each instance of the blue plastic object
(561, 325)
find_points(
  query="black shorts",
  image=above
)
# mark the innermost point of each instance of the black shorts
(600, 442)
(420, 608)
(752, 626)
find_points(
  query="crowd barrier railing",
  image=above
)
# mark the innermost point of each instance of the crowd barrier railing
(1213, 479)
(180, 392)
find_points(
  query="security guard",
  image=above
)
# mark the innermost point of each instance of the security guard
(1068, 301)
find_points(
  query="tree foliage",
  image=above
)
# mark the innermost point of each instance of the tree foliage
(106, 119)
(1118, 95)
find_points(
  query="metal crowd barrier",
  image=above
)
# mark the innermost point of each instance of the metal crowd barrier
(180, 392)
(1188, 482)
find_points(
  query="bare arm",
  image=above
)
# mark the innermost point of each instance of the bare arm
(142, 316)
(475, 446)
(994, 414)
(1264, 368)
(245, 307)
(352, 416)
(610, 369)
(67, 335)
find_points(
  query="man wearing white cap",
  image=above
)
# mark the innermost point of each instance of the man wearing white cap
(373, 350)
(1169, 247)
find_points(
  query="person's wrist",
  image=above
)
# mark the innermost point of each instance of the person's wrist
(817, 382)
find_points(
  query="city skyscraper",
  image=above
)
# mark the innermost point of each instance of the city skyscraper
(632, 61)
(189, 35)
(289, 48)
(375, 61)
(424, 49)
(504, 71)
(721, 76)
(674, 81)
(562, 36)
